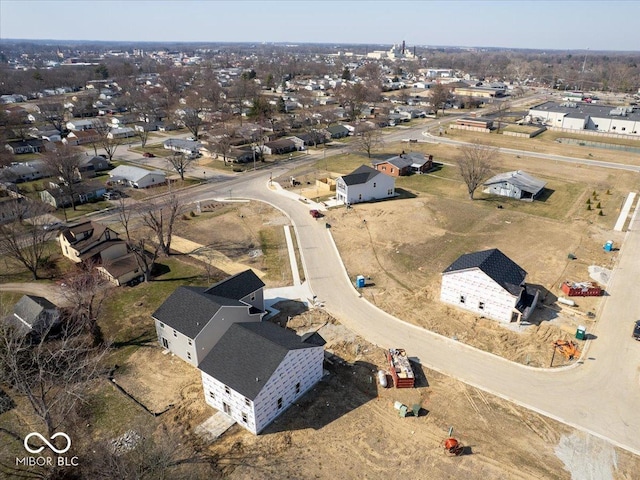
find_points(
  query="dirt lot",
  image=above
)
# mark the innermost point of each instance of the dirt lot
(347, 427)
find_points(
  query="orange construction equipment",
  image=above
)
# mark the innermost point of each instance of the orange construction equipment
(567, 348)
(453, 446)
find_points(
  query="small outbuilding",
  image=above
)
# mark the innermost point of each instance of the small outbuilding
(517, 184)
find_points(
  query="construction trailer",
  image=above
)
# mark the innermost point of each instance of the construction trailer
(400, 368)
(583, 289)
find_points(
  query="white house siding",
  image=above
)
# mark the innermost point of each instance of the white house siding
(505, 189)
(150, 180)
(302, 366)
(475, 286)
(381, 186)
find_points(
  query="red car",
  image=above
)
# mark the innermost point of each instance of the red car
(315, 213)
(148, 155)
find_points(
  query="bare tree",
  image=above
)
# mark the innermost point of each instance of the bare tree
(110, 145)
(50, 372)
(54, 114)
(85, 293)
(160, 217)
(145, 251)
(368, 139)
(475, 165)
(192, 119)
(25, 239)
(65, 162)
(180, 162)
(501, 110)
(440, 95)
(223, 145)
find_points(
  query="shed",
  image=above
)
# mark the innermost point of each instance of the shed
(516, 184)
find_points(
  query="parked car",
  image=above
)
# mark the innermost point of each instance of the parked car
(148, 155)
(636, 331)
(113, 195)
(315, 213)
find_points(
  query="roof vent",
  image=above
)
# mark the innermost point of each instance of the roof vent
(257, 379)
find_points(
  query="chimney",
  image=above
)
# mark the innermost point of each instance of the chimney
(403, 47)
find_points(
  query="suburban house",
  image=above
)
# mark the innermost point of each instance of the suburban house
(363, 185)
(85, 192)
(278, 147)
(192, 320)
(257, 370)
(121, 132)
(489, 284)
(82, 137)
(80, 124)
(184, 146)
(11, 206)
(93, 164)
(517, 184)
(24, 172)
(137, 177)
(20, 147)
(338, 131)
(33, 314)
(405, 164)
(121, 270)
(91, 241)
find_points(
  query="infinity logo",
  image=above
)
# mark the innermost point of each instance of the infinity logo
(52, 447)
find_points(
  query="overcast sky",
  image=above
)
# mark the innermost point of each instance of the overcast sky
(593, 25)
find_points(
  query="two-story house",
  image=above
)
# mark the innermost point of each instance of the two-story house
(364, 184)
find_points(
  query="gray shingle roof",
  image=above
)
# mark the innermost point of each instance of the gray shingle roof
(360, 175)
(520, 179)
(30, 307)
(504, 271)
(238, 286)
(189, 309)
(248, 354)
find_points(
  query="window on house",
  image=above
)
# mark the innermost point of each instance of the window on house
(374, 184)
(481, 306)
(392, 170)
(613, 128)
(279, 403)
(297, 388)
(624, 128)
(390, 191)
(360, 197)
(212, 395)
(244, 417)
(175, 334)
(189, 355)
(161, 325)
(247, 402)
(253, 297)
(462, 299)
(227, 390)
(189, 342)
(226, 408)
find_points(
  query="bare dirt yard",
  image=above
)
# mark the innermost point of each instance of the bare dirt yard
(403, 245)
(347, 426)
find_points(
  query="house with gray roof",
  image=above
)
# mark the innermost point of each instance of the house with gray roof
(184, 146)
(405, 164)
(257, 370)
(364, 184)
(33, 314)
(516, 184)
(489, 284)
(192, 320)
(137, 177)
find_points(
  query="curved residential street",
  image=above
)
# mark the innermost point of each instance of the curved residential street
(599, 395)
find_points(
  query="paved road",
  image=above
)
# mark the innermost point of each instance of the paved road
(599, 395)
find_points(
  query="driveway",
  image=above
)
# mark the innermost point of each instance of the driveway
(599, 395)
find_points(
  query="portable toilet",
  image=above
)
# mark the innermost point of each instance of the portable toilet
(608, 246)
(581, 332)
(360, 281)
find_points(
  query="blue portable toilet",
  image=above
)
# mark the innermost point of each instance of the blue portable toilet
(360, 281)
(608, 246)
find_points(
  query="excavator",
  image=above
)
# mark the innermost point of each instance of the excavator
(567, 348)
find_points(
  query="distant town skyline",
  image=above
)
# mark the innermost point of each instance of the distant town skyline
(553, 25)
